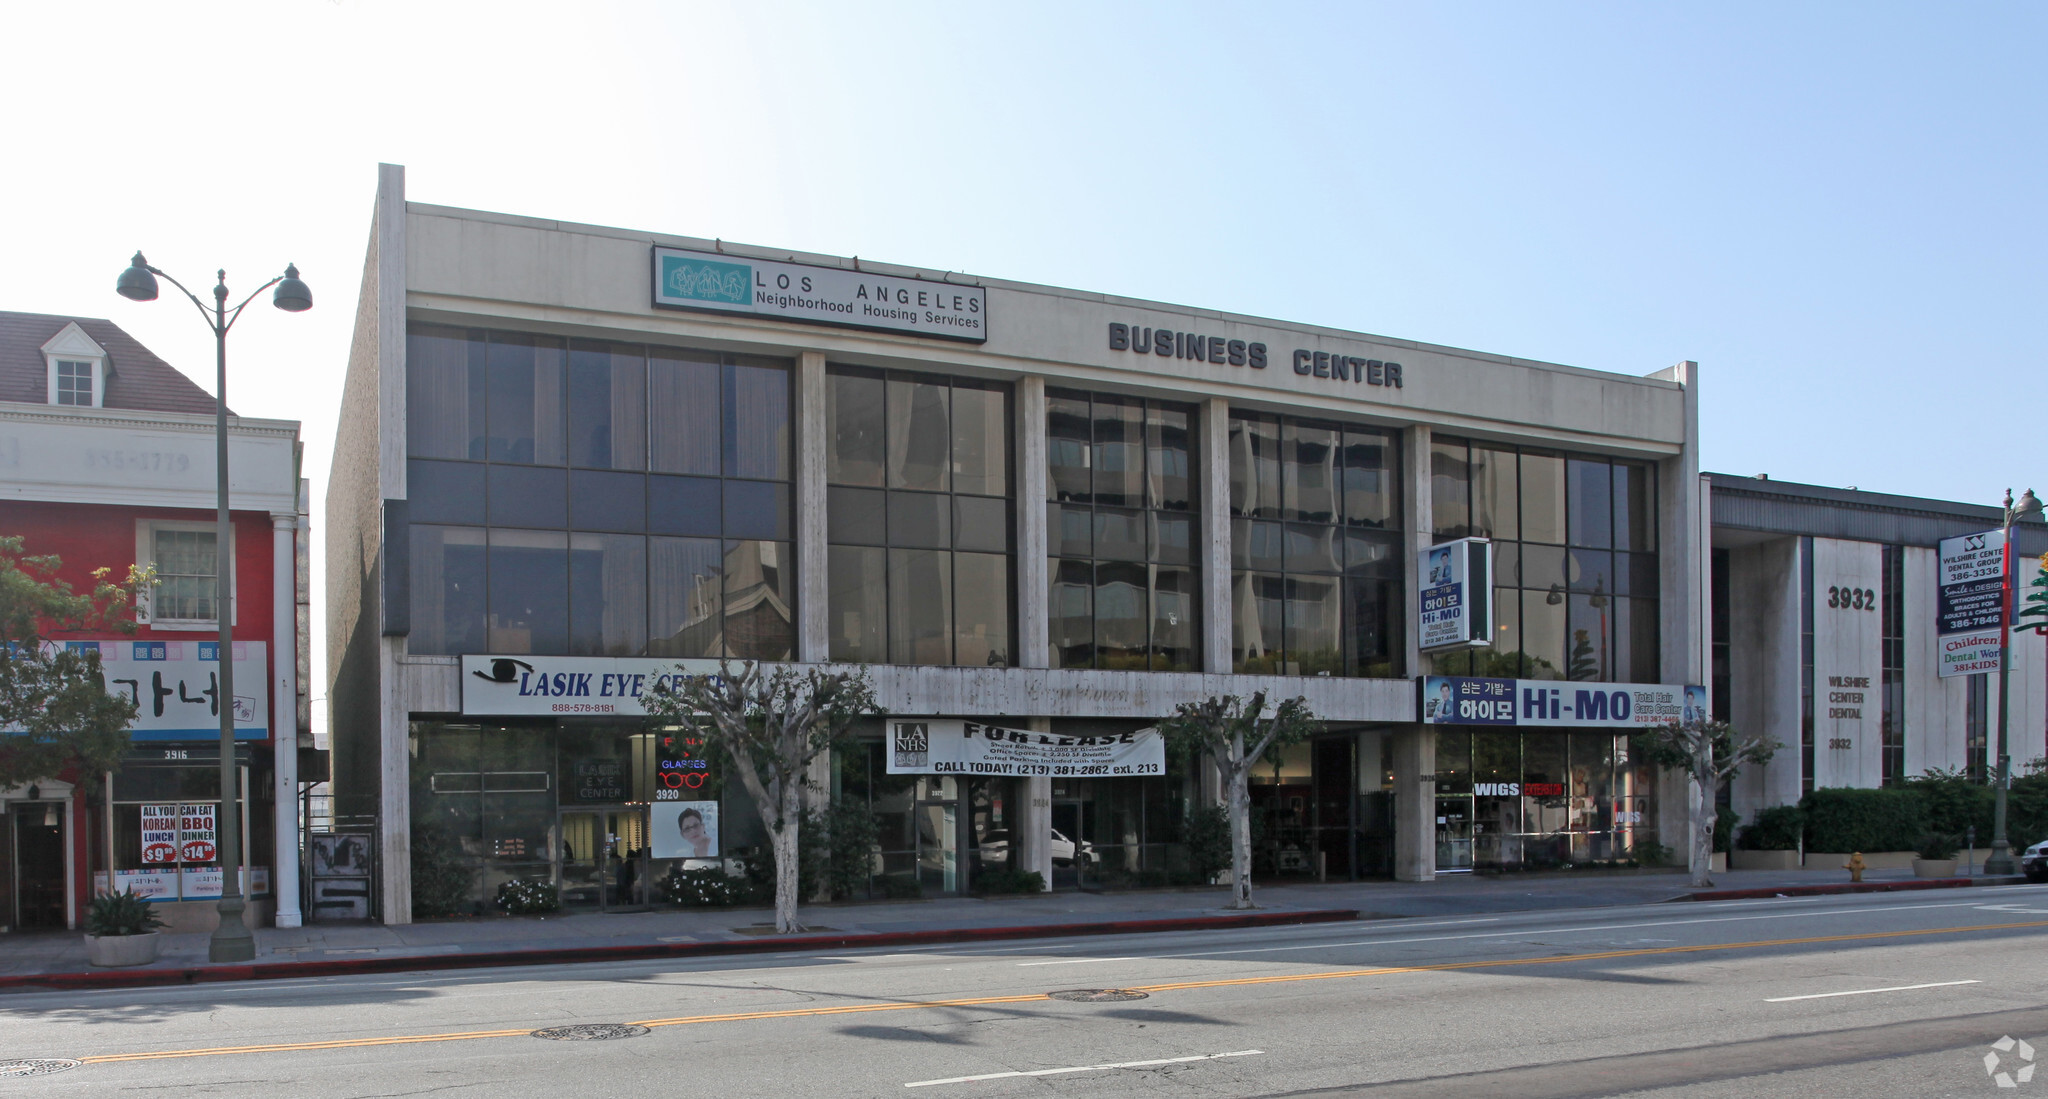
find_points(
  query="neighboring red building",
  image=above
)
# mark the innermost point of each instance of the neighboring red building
(107, 459)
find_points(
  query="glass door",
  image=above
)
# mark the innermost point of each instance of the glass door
(1453, 834)
(938, 834)
(1069, 852)
(38, 866)
(601, 858)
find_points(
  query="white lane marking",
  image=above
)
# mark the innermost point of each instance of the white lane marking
(1866, 991)
(1082, 1068)
(1506, 934)
(1076, 961)
(2011, 908)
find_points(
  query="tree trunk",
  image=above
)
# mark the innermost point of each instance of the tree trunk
(1701, 823)
(787, 868)
(1237, 781)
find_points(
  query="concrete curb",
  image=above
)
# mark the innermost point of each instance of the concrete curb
(768, 944)
(1848, 887)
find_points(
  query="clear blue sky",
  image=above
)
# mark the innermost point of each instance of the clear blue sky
(1835, 208)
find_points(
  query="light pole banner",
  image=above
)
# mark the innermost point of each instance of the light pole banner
(1970, 579)
(928, 747)
(1455, 604)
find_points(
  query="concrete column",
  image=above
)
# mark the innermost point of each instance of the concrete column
(1414, 803)
(813, 625)
(394, 788)
(1034, 627)
(1034, 816)
(1681, 542)
(1214, 454)
(1416, 504)
(284, 713)
(1763, 635)
(1415, 745)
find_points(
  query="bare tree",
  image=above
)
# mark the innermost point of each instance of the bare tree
(771, 727)
(1710, 753)
(1237, 732)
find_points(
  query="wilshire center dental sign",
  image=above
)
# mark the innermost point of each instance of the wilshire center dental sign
(928, 747)
(1968, 588)
(725, 283)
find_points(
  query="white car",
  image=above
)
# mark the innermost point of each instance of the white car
(2034, 862)
(995, 849)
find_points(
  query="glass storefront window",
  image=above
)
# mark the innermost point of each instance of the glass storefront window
(1538, 798)
(918, 519)
(1323, 592)
(1566, 607)
(539, 468)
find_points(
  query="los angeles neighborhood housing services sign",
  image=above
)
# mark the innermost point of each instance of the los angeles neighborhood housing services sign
(725, 283)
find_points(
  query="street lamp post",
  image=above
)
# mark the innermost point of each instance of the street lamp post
(2000, 859)
(232, 940)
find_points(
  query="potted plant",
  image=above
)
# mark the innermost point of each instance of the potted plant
(1772, 841)
(120, 929)
(1937, 856)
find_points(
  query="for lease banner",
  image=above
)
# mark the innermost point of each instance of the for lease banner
(928, 747)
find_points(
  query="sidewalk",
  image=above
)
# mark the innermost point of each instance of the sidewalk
(48, 959)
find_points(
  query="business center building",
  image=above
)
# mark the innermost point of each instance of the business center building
(573, 451)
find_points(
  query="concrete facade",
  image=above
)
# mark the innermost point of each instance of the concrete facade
(429, 264)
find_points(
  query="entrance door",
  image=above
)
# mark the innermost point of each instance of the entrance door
(38, 866)
(601, 858)
(1070, 854)
(938, 836)
(1453, 834)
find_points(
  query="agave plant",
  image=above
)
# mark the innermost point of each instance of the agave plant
(121, 913)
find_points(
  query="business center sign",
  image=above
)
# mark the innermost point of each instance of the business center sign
(723, 283)
(1549, 703)
(1968, 629)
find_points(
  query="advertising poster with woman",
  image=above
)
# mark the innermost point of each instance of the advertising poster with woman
(684, 829)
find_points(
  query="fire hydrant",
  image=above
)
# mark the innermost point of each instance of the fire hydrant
(1855, 866)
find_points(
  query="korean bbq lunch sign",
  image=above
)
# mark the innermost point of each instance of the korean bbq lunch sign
(926, 747)
(1525, 703)
(1968, 588)
(724, 283)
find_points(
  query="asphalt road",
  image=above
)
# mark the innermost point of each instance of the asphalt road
(1871, 995)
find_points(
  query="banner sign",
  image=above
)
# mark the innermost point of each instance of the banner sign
(1455, 602)
(1550, 703)
(971, 748)
(175, 686)
(1968, 584)
(725, 283)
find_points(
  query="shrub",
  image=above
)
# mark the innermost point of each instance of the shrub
(900, 887)
(1207, 834)
(1725, 821)
(1844, 819)
(1953, 803)
(706, 887)
(850, 837)
(1004, 880)
(1939, 845)
(812, 855)
(1650, 853)
(1778, 828)
(528, 896)
(121, 913)
(443, 883)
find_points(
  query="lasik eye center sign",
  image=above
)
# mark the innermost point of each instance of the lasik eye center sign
(927, 747)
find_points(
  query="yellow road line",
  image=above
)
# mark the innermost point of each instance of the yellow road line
(915, 1005)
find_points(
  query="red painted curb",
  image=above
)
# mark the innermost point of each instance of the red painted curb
(1848, 887)
(770, 944)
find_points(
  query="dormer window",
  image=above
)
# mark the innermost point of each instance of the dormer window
(77, 383)
(78, 368)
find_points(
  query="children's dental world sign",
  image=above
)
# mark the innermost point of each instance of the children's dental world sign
(1969, 585)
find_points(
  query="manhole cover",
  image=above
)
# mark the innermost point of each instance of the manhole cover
(591, 1032)
(1098, 995)
(42, 1067)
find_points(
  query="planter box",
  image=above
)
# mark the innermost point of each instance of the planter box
(1934, 868)
(118, 950)
(1717, 863)
(1764, 860)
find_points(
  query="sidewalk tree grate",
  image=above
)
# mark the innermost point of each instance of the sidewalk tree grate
(1097, 995)
(36, 1067)
(591, 1032)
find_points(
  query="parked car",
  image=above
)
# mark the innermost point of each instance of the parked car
(2034, 862)
(994, 849)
